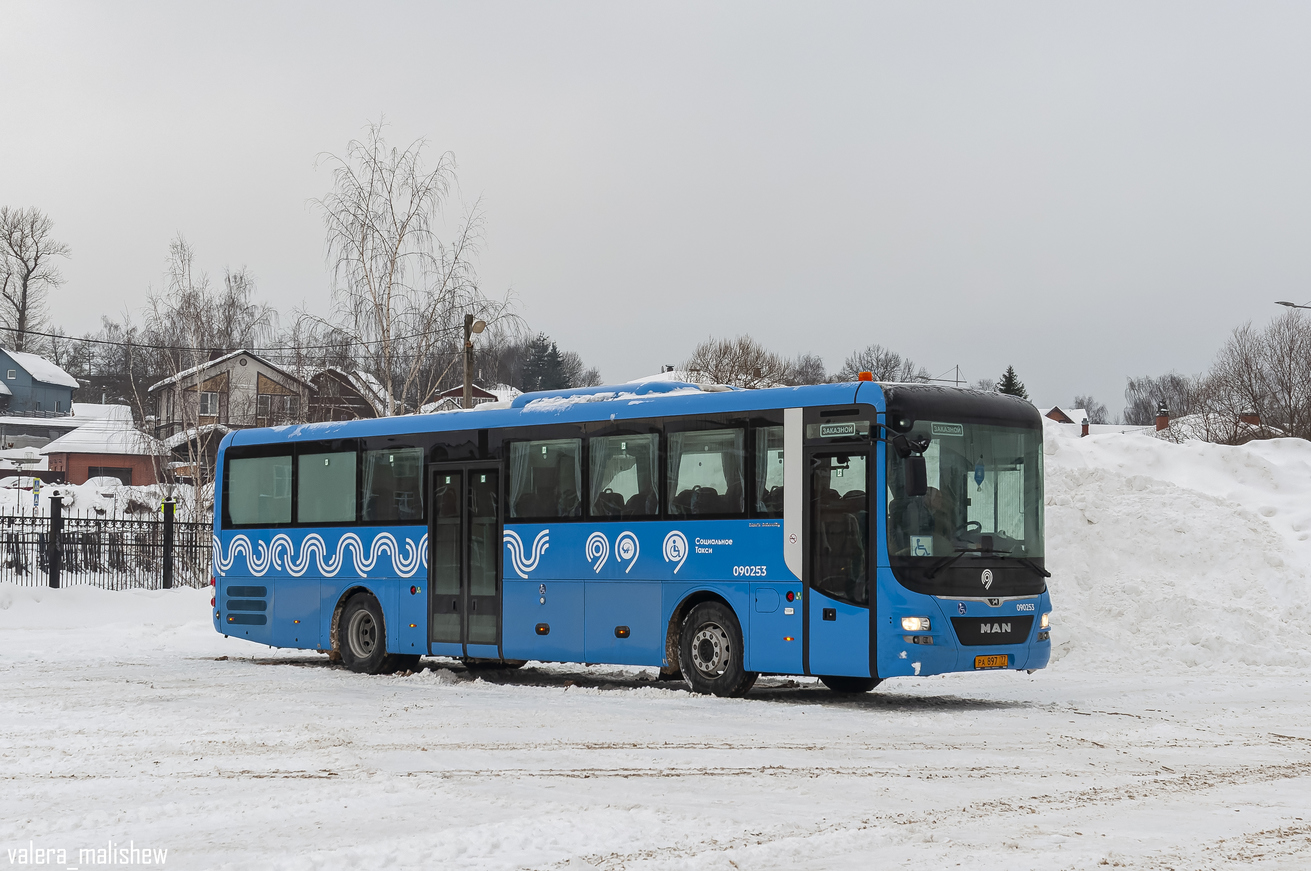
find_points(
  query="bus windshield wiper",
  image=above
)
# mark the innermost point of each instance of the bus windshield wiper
(1033, 565)
(961, 551)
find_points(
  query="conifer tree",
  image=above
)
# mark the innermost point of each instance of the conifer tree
(1011, 385)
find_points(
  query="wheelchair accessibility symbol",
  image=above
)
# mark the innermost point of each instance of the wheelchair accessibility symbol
(921, 545)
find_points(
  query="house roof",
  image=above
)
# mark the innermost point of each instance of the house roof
(87, 411)
(105, 436)
(208, 364)
(42, 369)
(368, 387)
(1072, 415)
(182, 437)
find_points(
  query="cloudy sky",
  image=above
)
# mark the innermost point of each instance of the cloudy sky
(1085, 192)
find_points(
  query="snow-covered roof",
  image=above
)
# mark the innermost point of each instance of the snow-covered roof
(208, 364)
(87, 411)
(105, 436)
(5, 391)
(1076, 415)
(180, 438)
(42, 369)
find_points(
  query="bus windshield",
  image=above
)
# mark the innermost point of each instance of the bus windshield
(984, 494)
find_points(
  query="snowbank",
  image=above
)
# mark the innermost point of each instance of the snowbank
(1168, 556)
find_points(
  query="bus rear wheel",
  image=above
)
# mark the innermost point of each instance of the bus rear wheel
(364, 639)
(710, 652)
(841, 684)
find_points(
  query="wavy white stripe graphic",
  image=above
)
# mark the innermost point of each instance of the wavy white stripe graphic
(521, 565)
(280, 554)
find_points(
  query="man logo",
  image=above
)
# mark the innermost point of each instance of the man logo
(675, 549)
(987, 579)
(522, 565)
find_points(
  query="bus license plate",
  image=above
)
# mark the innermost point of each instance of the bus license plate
(997, 660)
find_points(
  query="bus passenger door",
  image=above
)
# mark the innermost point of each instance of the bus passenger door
(464, 561)
(838, 564)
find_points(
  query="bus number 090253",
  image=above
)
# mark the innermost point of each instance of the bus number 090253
(749, 571)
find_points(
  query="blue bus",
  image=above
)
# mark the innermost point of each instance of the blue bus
(853, 532)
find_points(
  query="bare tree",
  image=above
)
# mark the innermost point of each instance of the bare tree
(1265, 374)
(1144, 395)
(28, 272)
(1096, 410)
(187, 323)
(807, 369)
(400, 291)
(884, 363)
(984, 385)
(740, 362)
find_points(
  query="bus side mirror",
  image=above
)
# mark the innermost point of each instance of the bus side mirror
(917, 476)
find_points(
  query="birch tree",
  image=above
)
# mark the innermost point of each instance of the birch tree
(400, 290)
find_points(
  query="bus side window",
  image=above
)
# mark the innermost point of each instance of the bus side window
(325, 487)
(546, 478)
(391, 486)
(623, 475)
(258, 490)
(706, 472)
(769, 471)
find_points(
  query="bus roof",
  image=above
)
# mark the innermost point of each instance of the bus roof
(611, 402)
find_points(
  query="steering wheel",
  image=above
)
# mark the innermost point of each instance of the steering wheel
(974, 526)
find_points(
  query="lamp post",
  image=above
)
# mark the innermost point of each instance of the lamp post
(471, 326)
(1291, 304)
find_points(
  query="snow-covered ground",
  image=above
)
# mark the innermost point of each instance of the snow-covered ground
(1172, 730)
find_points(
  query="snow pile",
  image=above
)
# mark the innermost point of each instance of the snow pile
(104, 497)
(1170, 555)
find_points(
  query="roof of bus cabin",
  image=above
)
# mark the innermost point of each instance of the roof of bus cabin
(612, 402)
(935, 402)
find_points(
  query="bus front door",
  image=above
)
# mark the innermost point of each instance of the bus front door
(465, 561)
(838, 568)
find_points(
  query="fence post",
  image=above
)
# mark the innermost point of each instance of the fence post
(56, 544)
(168, 544)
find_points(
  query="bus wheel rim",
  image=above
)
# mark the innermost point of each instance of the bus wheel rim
(710, 650)
(363, 634)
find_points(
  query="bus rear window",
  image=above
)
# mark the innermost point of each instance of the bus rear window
(258, 490)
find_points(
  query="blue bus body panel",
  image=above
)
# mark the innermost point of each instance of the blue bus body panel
(557, 605)
(775, 638)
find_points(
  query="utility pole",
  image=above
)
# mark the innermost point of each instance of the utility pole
(471, 326)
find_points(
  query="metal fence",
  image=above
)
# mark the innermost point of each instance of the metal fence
(115, 553)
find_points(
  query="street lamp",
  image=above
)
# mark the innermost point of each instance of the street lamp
(1291, 304)
(471, 326)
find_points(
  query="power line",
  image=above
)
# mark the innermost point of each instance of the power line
(347, 342)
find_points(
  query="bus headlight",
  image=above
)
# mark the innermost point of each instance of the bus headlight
(915, 624)
(1046, 621)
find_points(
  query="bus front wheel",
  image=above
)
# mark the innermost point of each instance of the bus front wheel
(841, 684)
(711, 652)
(364, 639)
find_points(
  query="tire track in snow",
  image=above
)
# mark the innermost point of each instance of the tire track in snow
(1185, 783)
